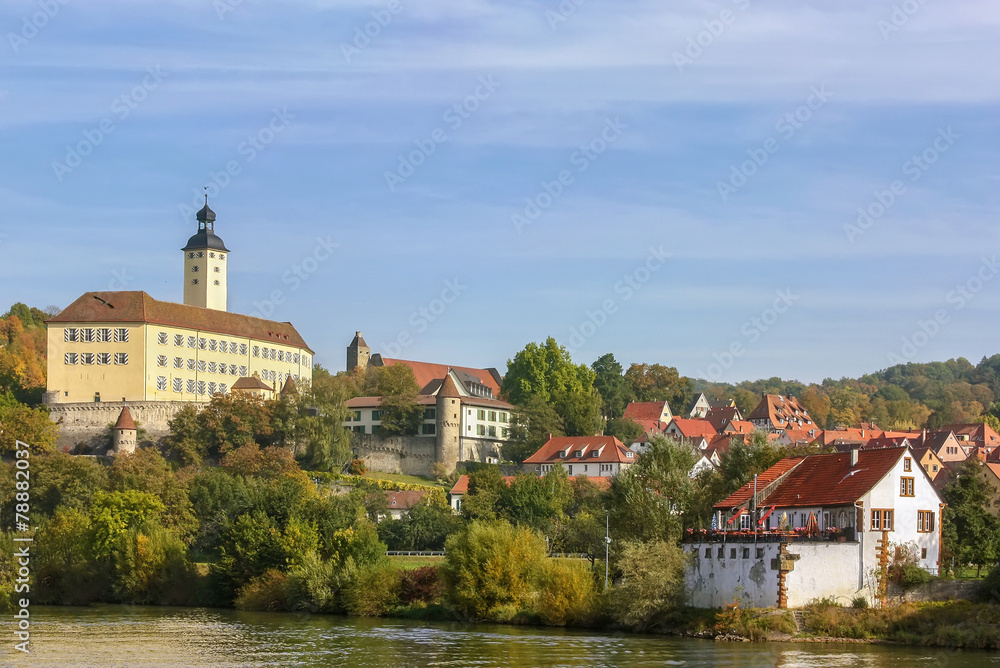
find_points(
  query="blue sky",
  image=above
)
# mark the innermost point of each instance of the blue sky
(671, 182)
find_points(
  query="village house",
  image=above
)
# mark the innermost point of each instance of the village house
(589, 456)
(779, 535)
(776, 412)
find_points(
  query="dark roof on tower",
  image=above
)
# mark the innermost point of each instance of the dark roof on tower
(206, 236)
(359, 341)
(125, 420)
(448, 388)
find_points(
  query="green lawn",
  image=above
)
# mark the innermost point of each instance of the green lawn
(410, 479)
(417, 562)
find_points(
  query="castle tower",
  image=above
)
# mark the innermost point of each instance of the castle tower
(449, 424)
(358, 354)
(125, 433)
(205, 261)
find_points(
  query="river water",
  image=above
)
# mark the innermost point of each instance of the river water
(192, 637)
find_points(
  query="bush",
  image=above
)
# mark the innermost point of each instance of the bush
(151, 567)
(905, 568)
(267, 592)
(859, 602)
(420, 585)
(490, 569)
(652, 584)
(989, 590)
(372, 590)
(312, 585)
(357, 467)
(565, 593)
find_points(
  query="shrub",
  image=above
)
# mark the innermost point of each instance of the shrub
(490, 567)
(372, 591)
(565, 593)
(312, 585)
(357, 467)
(989, 590)
(268, 592)
(859, 602)
(420, 585)
(652, 584)
(905, 568)
(151, 566)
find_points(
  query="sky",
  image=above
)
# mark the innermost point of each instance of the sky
(740, 189)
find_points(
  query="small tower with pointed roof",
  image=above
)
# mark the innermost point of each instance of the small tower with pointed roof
(125, 433)
(358, 354)
(449, 424)
(205, 260)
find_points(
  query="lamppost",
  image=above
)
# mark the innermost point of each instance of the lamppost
(607, 547)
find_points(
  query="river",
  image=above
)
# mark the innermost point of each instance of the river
(140, 637)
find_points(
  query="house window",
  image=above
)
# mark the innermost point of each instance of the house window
(179, 340)
(721, 553)
(493, 416)
(881, 520)
(104, 358)
(377, 415)
(256, 351)
(161, 360)
(202, 343)
(430, 413)
(295, 358)
(428, 429)
(925, 521)
(212, 367)
(732, 553)
(481, 414)
(906, 463)
(213, 345)
(374, 429)
(570, 469)
(923, 553)
(190, 365)
(192, 341)
(104, 334)
(71, 334)
(746, 552)
(481, 429)
(191, 387)
(161, 382)
(201, 387)
(161, 338)
(243, 349)
(935, 468)
(202, 365)
(745, 521)
(86, 358)
(708, 553)
(87, 334)
(503, 417)
(906, 486)
(281, 355)
(70, 358)
(178, 362)
(760, 553)
(243, 371)
(178, 385)
(492, 431)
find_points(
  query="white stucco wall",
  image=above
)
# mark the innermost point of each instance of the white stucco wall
(824, 570)
(712, 582)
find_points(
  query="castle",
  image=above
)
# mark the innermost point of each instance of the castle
(111, 349)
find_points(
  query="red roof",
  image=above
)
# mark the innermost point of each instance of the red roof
(400, 500)
(821, 480)
(645, 410)
(125, 420)
(138, 307)
(609, 449)
(977, 432)
(694, 427)
(781, 412)
(720, 416)
(426, 372)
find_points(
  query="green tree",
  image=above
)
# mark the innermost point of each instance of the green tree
(742, 461)
(656, 382)
(971, 528)
(611, 384)
(396, 384)
(19, 422)
(323, 411)
(113, 514)
(531, 426)
(651, 592)
(425, 526)
(626, 431)
(490, 569)
(145, 470)
(486, 489)
(536, 501)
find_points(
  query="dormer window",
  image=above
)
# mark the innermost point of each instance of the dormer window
(595, 454)
(562, 454)
(578, 454)
(629, 455)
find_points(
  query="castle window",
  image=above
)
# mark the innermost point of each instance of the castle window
(201, 387)
(295, 358)
(243, 349)
(121, 334)
(216, 283)
(191, 387)
(71, 334)
(178, 385)
(481, 429)
(430, 413)
(216, 269)
(428, 429)
(202, 343)
(70, 358)
(179, 340)
(201, 365)
(87, 334)
(195, 268)
(223, 388)
(190, 256)
(121, 358)
(233, 371)
(161, 360)
(211, 388)
(104, 334)
(194, 281)
(161, 338)
(243, 371)
(211, 255)
(161, 382)
(213, 345)
(281, 355)
(273, 353)
(178, 362)
(192, 342)
(104, 358)
(190, 364)
(222, 256)
(200, 254)
(256, 351)
(493, 431)
(211, 367)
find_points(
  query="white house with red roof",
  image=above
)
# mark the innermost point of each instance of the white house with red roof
(817, 526)
(589, 456)
(689, 428)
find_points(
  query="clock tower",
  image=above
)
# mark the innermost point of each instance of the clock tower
(205, 260)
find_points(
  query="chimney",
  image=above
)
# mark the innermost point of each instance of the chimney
(854, 457)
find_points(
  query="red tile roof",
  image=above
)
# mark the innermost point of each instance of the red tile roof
(138, 307)
(610, 448)
(645, 410)
(694, 427)
(404, 500)
(720, 416)
(977, 432)
(821, 480)
(781, 412)
(425, 372)
(125, 420)
(251, 383)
